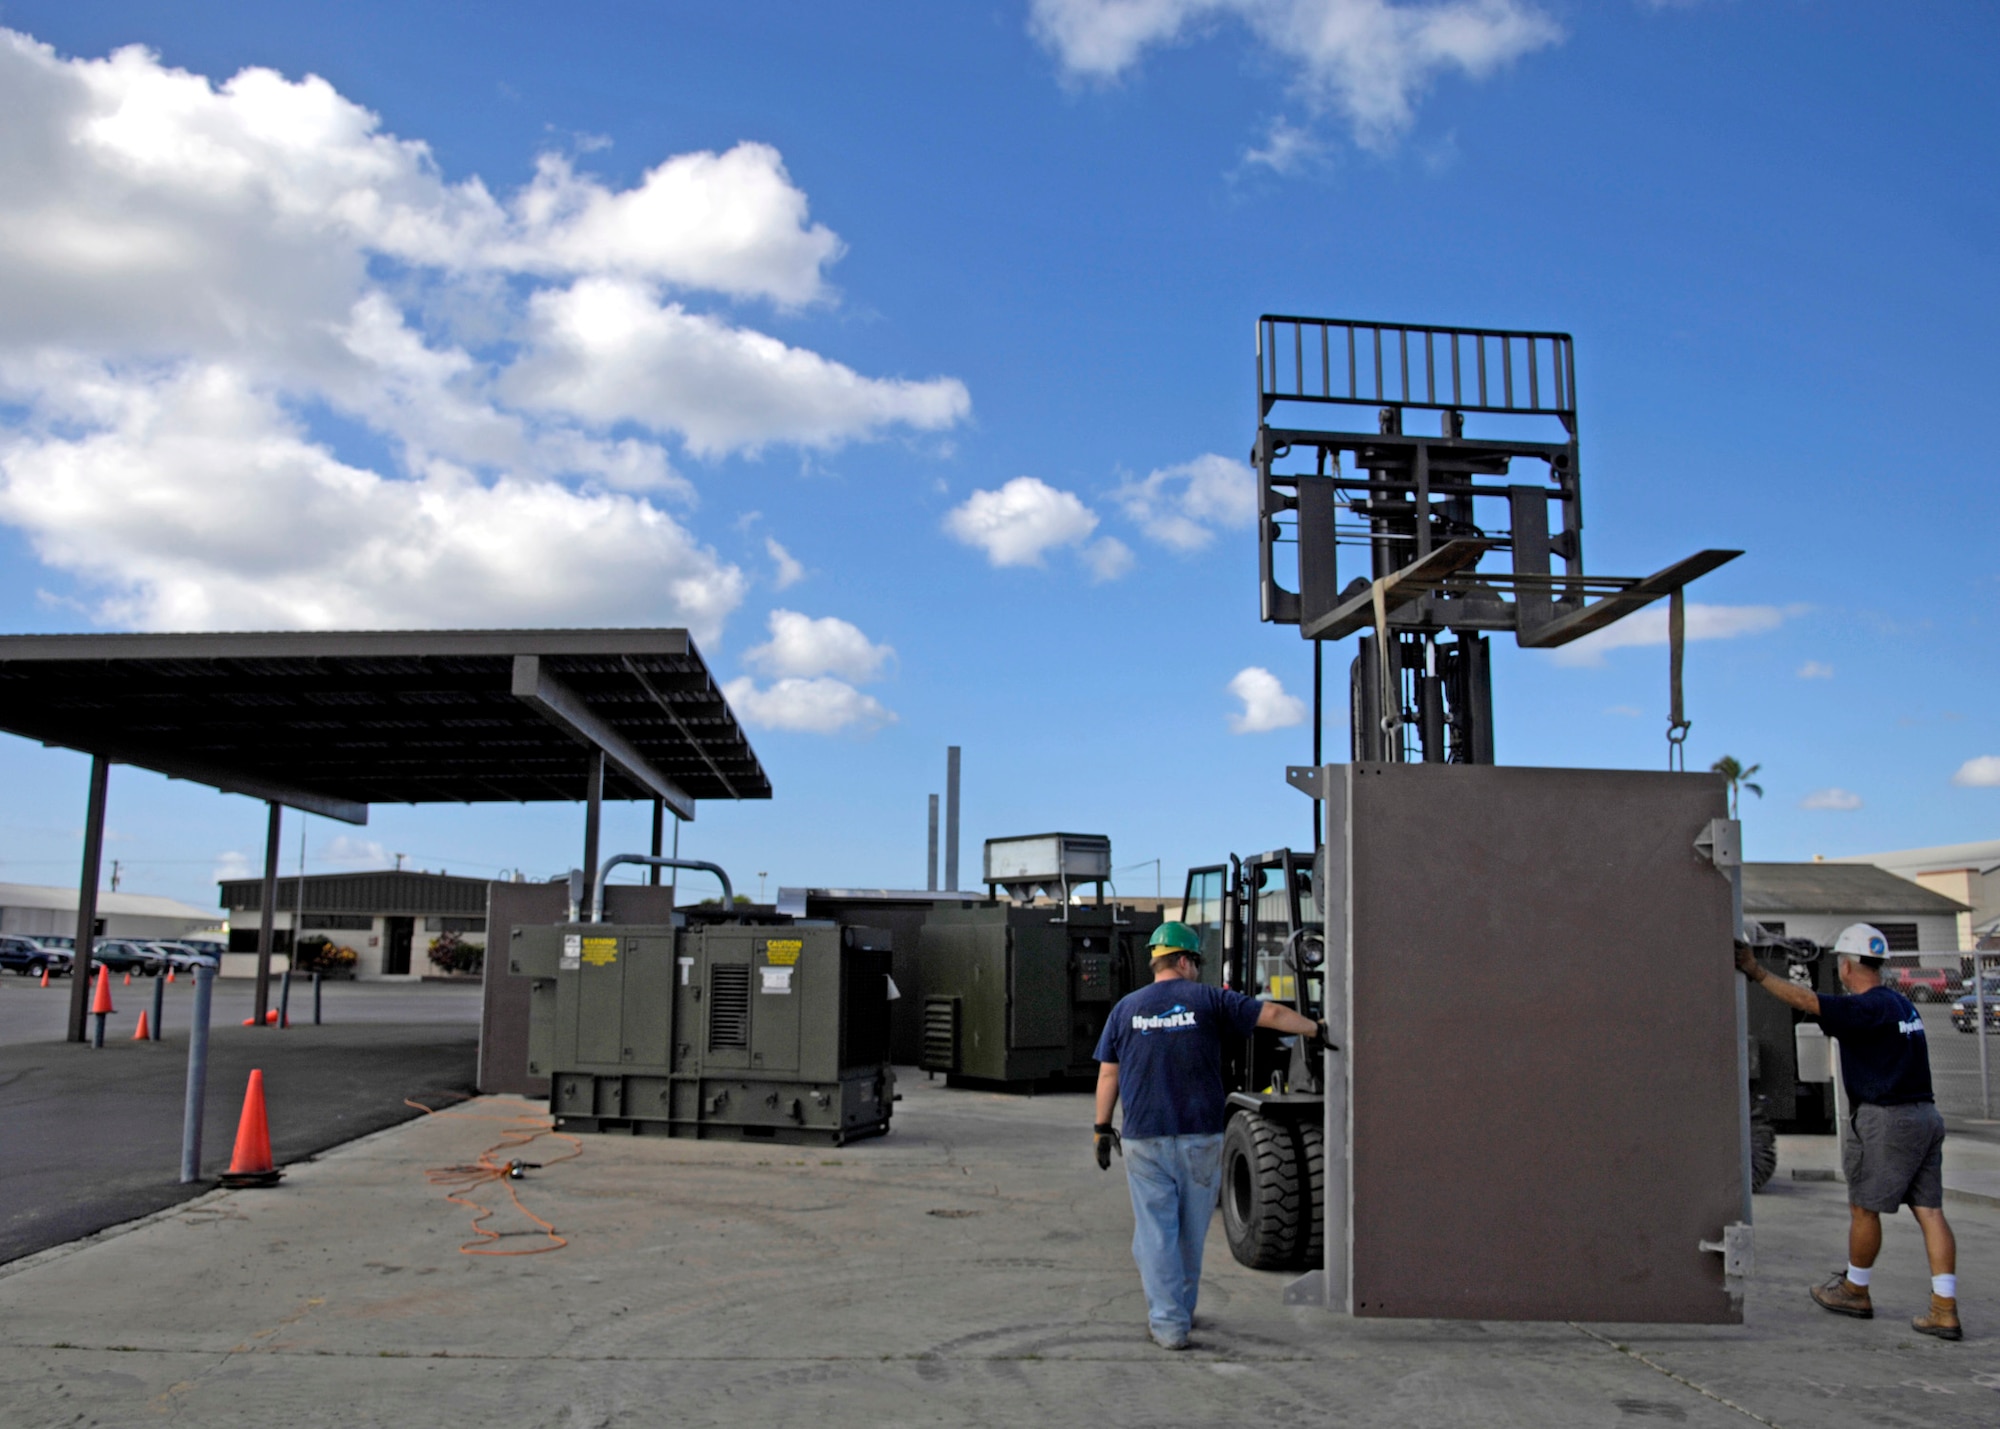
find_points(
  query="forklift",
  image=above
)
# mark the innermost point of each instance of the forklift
(1261, 935)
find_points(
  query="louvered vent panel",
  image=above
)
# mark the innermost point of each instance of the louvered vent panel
(728, 1006)
(940, 1052)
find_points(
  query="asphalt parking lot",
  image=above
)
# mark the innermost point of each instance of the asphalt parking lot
(92, 1138)
(32, 1013)
(971, 1268)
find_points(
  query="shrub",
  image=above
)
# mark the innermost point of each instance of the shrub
(453, 954)
(320, 954)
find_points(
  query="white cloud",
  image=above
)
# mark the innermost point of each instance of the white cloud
(1981, 772)
(789, 572)
(802, 646)
(347, 851)
(608, 350)
(1814, 670)
(261, 363)
(230, 864)
(1286, 149)
(1108, 558)
(196, 504)
(1181, 506)
(1018, 524)
(1840, 800)
(1266, 706)
(731, 223)
(814, 706)
(1649, 627)
(1367, 60)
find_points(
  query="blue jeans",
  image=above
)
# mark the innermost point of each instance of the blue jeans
(1173, 1180)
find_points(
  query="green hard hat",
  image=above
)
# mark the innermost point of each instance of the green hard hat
(1178, 936)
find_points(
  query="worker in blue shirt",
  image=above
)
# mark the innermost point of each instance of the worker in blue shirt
(1161, 1055)
(1896, 1154)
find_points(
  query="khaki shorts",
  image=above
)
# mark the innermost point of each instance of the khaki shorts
(1896, 1156)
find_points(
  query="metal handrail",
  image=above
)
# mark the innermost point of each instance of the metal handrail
(1475, 369)
(655, 861)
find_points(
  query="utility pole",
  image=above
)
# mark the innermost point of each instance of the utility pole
(117, 869)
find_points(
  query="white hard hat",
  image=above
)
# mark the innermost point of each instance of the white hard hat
(1861, 940)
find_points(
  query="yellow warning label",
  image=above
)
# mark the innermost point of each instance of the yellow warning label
(599, 952)
(783, 952)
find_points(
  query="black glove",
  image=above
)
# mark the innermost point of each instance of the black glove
(1322, 1038)
(1107, 1138)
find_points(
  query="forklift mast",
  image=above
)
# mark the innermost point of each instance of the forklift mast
(1428, 517)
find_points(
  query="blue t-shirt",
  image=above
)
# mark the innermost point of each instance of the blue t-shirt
(1884, 1056)
(1167, 1041)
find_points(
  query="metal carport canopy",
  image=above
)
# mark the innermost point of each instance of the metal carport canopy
(330, 722)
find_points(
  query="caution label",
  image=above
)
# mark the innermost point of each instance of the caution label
(783, 952)
(572, 953)
(600, 952)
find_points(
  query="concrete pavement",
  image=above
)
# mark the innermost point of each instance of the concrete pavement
(971, 1268)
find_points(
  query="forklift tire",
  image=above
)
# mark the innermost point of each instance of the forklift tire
(1763, 1149)
(1263, 1200)
(1312, 1164)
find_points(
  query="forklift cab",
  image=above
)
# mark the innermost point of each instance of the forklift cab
(1262, 934)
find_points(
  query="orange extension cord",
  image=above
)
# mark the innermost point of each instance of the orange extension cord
(522, 1131)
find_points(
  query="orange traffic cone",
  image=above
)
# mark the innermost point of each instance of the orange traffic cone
(45, 975)
(142, 1033)
(170, 974)
(100, 1005)
(251, 1164)
(128, 979)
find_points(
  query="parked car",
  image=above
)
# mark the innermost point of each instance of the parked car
(185, 957)
(1963, 1015)
(30, 959)
(1922, 984)
(122, 955)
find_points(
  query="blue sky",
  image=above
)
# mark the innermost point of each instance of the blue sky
(954, 305)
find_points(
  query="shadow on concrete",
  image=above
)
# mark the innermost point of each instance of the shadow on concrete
(92, 1138)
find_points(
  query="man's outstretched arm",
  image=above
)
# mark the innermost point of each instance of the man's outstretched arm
(1280, 1017)
(1784, 989)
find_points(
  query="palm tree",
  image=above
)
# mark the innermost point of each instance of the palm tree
(1737, 777)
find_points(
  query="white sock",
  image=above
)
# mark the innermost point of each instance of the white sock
(1945, 1286)
(1857, 1276)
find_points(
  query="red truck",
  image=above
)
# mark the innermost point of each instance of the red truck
(1921, 984)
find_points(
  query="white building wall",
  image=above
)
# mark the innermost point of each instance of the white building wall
(1936, 932)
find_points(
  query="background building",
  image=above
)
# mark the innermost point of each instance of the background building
(1969, 873)
(388, 917)
(29, 909)
(1816, 900)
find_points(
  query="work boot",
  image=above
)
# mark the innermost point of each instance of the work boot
(1942, 1321)
(1844, 1297)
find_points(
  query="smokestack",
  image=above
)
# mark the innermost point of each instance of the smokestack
(931, 865)
(951, 819)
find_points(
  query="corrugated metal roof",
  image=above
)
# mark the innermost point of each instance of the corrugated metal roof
(136, 905)
(382, 891)
(1983, 854)
(1838, 888)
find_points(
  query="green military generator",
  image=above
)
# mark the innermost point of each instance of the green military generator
(737, 1029)
(1017, 994)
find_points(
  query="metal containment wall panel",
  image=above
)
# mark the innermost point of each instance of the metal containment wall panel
(1544, 1096)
